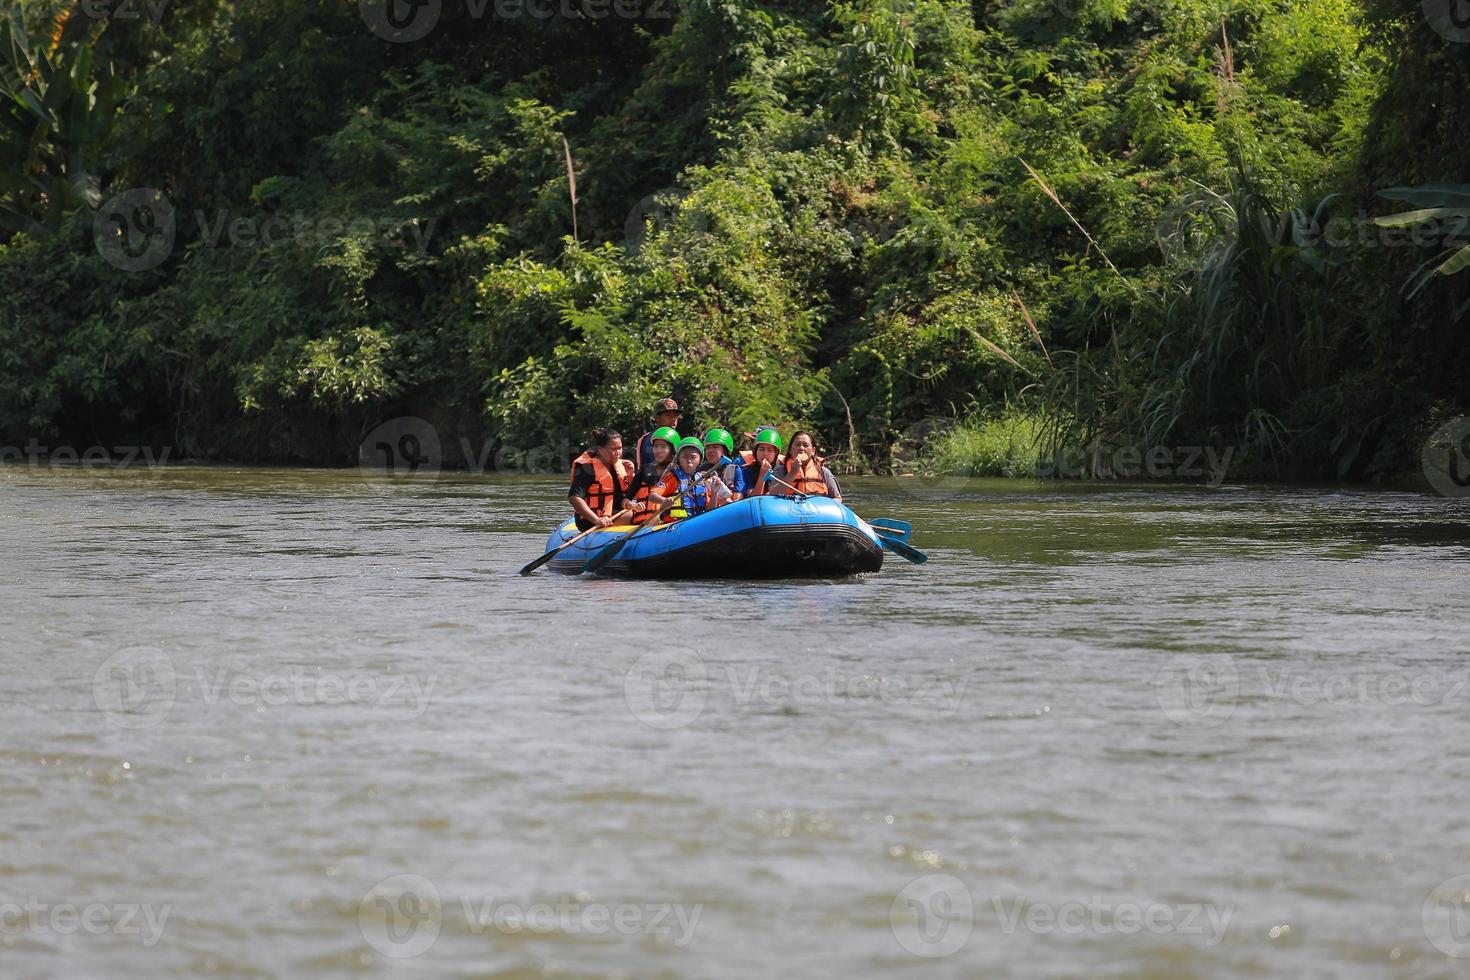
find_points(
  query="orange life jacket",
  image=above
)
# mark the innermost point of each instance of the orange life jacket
(641, 495)
(807, 478)
(601, 494)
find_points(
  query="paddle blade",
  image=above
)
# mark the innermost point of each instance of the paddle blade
(604, 556)
(893, 528)
(540, 561)
(903, 549)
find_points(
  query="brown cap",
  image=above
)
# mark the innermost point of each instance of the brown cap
(666, 405)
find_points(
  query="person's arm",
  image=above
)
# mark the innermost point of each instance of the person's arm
(759, 488)
(833, 490)
(736, 481)
(580, 508)
(577, 496)
(779, 489)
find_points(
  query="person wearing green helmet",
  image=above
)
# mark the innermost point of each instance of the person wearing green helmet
(719, 462)
(643, 495)
(765, 459)
(687, 483)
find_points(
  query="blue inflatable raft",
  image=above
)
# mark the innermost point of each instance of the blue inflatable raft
(761, 537)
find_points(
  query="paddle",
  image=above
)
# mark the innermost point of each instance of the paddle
(605, 555)
(899, 546)
(556, 551)
(902, 530)
(771, 478)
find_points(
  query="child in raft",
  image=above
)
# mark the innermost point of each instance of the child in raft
(686, 482)
(643, 496)
(720, 463)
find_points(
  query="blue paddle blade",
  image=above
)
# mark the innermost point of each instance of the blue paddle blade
(902, 530)
(903, 549)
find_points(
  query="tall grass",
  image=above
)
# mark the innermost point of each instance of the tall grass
(1007, 443)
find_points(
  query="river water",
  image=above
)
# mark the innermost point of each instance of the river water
(291, 722)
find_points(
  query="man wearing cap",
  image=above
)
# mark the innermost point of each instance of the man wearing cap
(665, 412)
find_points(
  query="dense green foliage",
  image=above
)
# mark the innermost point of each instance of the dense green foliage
(1088, 222)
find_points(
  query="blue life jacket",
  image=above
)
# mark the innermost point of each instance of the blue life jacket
(748, 475)
(693, 494)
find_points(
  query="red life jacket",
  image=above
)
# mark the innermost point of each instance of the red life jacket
(807, 478)
(601, 494)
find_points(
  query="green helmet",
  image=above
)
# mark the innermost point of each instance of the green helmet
(769, 437)
(689, 442)
(721, 437)
(667, 433)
